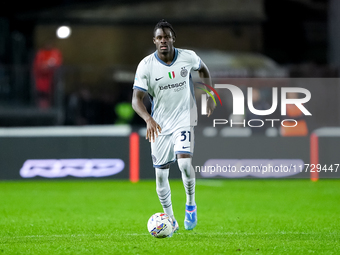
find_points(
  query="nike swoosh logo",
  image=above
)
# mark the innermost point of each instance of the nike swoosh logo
(157, 79)
(185, 147)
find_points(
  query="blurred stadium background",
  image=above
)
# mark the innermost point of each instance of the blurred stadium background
(67, 67)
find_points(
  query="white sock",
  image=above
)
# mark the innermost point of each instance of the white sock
(163, 190)
(188, 177)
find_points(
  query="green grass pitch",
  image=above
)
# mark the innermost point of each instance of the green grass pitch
(109, 217)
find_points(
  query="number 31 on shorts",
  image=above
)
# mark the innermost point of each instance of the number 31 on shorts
(185, 135)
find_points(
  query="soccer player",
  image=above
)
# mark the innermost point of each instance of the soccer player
(165, 76)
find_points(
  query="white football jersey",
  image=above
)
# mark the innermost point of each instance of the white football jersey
(170, 89)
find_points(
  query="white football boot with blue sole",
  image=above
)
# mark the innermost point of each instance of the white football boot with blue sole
(175, 227)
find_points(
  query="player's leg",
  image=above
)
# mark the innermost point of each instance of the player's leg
(164, 194)
(188, 177)
(162, 156)
(184, 143)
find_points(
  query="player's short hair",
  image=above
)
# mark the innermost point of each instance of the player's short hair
(164, 24)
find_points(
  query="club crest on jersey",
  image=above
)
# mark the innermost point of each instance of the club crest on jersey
(171, 75)
(153, 158)
(184, 72)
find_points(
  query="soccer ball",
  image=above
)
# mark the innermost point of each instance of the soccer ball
(160, 225)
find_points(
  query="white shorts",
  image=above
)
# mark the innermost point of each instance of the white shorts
(166, 147)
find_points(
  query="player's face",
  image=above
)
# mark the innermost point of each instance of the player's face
(164, 40)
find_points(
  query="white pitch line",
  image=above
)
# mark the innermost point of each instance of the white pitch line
(145, 234)
(80, 235)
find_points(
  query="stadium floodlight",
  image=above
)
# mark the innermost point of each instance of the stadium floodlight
(63, 32)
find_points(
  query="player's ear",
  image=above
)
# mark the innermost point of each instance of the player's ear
(154, 40)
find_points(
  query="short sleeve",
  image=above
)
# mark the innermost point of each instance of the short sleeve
(141, 78)
(196, 61)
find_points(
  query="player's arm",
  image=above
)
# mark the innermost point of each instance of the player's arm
(152, 127)
(204, 74)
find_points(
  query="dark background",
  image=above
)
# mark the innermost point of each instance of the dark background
(109, 38)
(293, 31)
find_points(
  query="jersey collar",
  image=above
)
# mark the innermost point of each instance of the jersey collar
(162, 62)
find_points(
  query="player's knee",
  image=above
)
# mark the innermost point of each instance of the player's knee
(161, 180)
(184, 165)
(161, 176)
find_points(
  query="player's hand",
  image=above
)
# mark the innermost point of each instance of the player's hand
(152, 129)
(210, 106)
